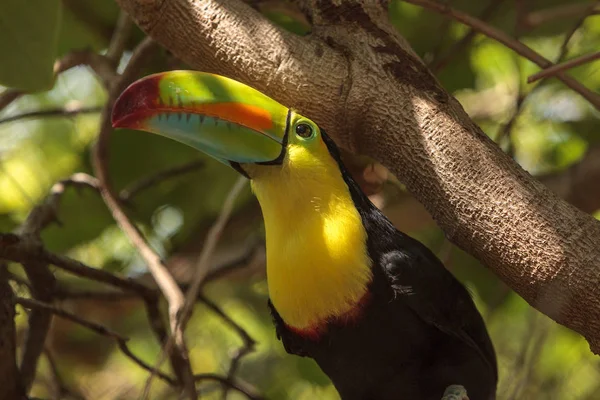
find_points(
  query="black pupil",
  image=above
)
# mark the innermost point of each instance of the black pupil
(303, 130)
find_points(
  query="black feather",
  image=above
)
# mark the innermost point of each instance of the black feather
(419, 333)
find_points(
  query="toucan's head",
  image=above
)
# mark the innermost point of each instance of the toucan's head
(223, 118)
(296, 175)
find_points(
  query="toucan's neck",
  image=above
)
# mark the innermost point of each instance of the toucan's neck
(317, 262)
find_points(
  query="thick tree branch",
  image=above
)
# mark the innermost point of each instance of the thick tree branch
(361, 82)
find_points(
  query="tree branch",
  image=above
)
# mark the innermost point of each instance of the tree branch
(184, 313)
(248, 342)
(248, 392)
(10, 379)
(515, 45)
(360, 81)
(54, 112)
(148, 181)
(99, 329)
(556, 68)
(168, 286)
(540, 17)
(441, 62)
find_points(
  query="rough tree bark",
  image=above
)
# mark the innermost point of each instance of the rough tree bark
(356, 77)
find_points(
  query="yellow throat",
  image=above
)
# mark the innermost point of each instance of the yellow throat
(317, 261)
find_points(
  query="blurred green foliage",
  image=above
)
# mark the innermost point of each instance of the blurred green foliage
(31, 40)
(538, 358)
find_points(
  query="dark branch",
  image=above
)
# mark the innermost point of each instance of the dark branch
(153, 179)
(556, 68)
(509, 42)
(247, 347)
(55, 112)
(229, 383)
(99, 329)
(100, 158)
(441, 62)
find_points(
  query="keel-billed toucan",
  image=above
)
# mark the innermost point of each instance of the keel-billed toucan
(375, 308)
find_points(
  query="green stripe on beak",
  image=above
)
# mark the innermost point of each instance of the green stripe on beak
(223, 118)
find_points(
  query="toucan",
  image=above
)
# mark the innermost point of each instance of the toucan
(375, 308)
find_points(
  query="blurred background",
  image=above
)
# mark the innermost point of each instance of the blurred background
(545, 126)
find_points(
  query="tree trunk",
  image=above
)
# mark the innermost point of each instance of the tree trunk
(359, 80)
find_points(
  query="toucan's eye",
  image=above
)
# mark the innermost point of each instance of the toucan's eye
(304, 130)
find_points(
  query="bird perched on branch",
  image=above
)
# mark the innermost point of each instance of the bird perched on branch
(373, 307)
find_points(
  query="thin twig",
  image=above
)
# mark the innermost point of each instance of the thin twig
(227, 268)
(99, 329)
(440, 63)
(509, 42)
(151, 180)
(42, 282)
(14, 248)
(229, 383)
(210, 244)
(54, 112)
(540, 17)
(248, 342)
(100, 64)
(201, 270)
(553, 70)
(59, 386)
(119, 39)
(505, 131)
(164, 279)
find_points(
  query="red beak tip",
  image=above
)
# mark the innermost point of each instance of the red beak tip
(135, 102)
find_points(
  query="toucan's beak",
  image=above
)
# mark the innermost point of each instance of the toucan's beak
(223, 118)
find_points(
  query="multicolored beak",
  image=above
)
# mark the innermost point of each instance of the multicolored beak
(223, 118)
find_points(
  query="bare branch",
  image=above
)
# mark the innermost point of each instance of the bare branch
(100, 64)
(54, 112)
(99, 329)
(61, 390)
(144, 183)
(562, 11)
(245, 390)
(10, 379)
(42, 281)
(509, 42)
(210, 244)
(42, 284)
(224, 270)
(162, 276)
(248, 342)
(556, 68)
(119, 39)
(184, 313)
(14, 248)
(441, 62)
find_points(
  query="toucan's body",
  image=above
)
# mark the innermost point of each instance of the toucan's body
(414, 333)
(375, 308)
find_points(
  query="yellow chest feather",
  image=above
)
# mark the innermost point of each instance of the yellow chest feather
(317, 262)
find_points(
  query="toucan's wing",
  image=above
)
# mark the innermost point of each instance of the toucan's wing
(420, 280)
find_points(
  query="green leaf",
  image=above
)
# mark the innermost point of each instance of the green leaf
(28, 41)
